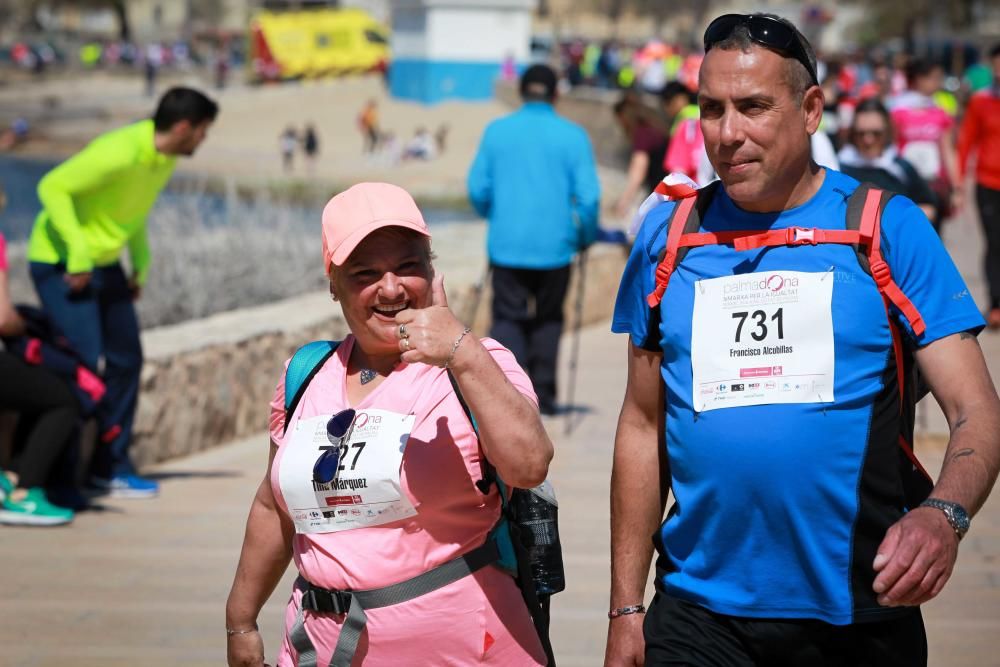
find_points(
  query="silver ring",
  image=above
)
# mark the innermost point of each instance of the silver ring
(406, 344)
(403, 333)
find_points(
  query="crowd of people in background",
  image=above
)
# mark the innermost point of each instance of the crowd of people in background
(219, 52)
(903, 124)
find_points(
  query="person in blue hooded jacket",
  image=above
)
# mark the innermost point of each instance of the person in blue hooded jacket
(535, 181)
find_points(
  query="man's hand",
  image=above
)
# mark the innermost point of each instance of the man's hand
(135, 288)
(626, 646)
(915, 559)
(77, 281)
(245, 650)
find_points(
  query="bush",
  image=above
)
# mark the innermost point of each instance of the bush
(215, 252)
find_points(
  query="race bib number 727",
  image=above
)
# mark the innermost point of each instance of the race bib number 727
(762, 338)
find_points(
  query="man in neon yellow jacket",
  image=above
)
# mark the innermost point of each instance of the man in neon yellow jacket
(93, 206)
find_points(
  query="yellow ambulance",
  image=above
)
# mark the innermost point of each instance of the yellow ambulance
(309, 43)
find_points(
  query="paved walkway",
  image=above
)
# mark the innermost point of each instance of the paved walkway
(145, 582)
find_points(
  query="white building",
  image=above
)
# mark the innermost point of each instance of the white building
(443, 49)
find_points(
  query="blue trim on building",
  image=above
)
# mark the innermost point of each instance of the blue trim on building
(431, 81)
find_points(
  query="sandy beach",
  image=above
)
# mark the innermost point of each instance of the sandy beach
(67, 111)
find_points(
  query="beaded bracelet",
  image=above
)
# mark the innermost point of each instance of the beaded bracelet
(454, 347)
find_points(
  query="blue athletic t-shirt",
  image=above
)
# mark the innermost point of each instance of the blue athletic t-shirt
(780, 507)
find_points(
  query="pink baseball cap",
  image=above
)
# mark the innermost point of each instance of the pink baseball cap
(361, 209)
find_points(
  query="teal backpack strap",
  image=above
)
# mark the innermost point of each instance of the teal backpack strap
(489, 472)
(304, 365)
(501, 532)
(514, 558)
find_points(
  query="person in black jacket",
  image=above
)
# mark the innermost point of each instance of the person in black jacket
(870, 157)
(48, 412)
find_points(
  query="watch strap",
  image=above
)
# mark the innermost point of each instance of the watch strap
(951, 511)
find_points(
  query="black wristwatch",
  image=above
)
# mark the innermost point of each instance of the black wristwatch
(956, 515)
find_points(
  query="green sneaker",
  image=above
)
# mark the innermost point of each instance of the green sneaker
(5, 484)
(33, 509)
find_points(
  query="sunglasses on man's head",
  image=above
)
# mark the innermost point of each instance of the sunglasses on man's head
(326, 466)
(764, 30)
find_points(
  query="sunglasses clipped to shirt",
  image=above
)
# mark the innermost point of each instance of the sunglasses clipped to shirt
(765, 30)
(328, 464)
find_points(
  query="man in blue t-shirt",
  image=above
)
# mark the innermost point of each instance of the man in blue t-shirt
(770, 376)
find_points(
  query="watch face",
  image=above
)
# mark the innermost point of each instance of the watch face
(961, 518)
(957, 517)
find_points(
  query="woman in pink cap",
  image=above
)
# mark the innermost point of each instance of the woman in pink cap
(372, 477)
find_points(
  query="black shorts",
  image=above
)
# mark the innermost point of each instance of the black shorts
(681, 633)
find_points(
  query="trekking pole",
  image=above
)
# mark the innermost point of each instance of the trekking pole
(477, 297)
(581, 273)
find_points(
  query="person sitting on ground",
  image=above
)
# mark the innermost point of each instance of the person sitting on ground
(870, 157)
(404, 500)
(421, 146)
(39, 396)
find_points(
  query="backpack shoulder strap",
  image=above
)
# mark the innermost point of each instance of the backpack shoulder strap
(489, 472)
(685, 219)
(304, 365)
(912, 177)
(864, 214)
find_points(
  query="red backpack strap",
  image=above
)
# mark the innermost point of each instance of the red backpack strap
(685, 220)
(675, 230)
(789, 236)
(864, 213)
(675, 191)
(875, 201)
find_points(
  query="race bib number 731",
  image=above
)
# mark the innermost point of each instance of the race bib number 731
(762, 338)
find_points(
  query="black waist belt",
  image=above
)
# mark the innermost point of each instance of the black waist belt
(354, 603)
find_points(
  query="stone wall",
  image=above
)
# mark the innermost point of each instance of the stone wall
(201, 389)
